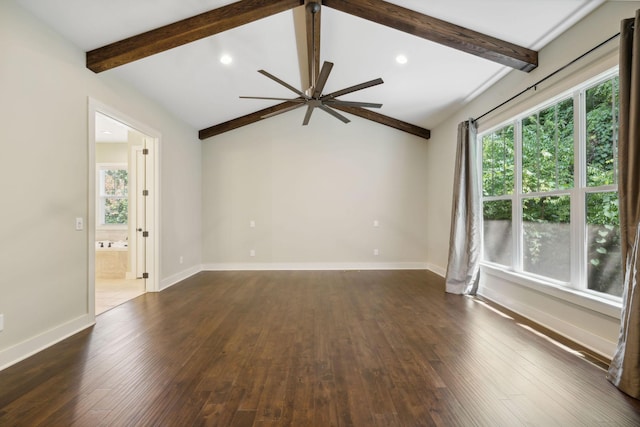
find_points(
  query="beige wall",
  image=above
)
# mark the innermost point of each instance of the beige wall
(314, 192)
(594, 327)
(107, 152)
(44, 107)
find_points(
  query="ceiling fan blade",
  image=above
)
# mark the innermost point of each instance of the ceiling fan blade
(329, 102)
(285, 84)
(284, 110)
(335, 114)
(274, 99)
(350, 89)
(307, 116)
(322, 78)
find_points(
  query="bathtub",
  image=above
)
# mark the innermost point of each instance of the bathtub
(109, 245)
(112, 259)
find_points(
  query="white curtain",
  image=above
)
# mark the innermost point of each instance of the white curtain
(464, 241)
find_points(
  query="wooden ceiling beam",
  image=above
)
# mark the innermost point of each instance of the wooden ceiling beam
(247, 119)
(384, 120)
(439, 31)
(185, 31)
(285, 106)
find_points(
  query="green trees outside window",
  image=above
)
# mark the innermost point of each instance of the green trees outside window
(113, 196)
(564, 201)
(603, 223)
(547, 149)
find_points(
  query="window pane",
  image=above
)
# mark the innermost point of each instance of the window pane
(497, 162)
(602, 132)
(604, 261)
(497, 232)
(547, 149)
(115, 210)
(547, 237)
(114, 182)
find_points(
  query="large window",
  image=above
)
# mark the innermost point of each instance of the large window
(550, 203)
(113, 195)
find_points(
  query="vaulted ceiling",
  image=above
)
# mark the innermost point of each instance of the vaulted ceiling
(171, 51)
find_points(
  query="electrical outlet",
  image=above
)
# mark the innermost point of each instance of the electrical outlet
(376, 223)
(252, 252)
(1, 322)
(181, 259)
(252, 224)
(376, 252)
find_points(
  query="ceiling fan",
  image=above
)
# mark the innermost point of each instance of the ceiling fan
(313, 97)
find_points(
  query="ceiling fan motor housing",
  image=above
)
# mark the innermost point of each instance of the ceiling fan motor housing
(313, 7)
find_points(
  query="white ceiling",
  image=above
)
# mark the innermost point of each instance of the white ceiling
(110, 130)
(191, 82)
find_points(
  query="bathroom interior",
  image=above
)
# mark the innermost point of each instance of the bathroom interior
(117, 277)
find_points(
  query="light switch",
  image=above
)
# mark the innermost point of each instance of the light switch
(79, 224)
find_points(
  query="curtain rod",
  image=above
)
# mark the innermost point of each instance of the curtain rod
(534, 86)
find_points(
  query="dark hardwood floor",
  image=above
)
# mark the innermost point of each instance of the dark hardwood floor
(370, 348)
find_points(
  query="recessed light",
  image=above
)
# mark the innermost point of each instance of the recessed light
(401, 59)
(226, 59)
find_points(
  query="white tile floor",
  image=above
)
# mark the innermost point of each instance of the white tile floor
(113, 292)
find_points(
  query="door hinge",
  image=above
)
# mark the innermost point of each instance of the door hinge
(145, 192)
(145, 275)
(145, 234)
(145, 151)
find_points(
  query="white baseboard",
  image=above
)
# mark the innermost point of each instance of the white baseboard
(440, 271)
(14, 354)
(579, 335)
(182, 275)
(315, 266)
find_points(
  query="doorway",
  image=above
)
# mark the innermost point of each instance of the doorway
(123, 184)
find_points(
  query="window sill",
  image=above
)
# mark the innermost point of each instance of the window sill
(582, 299)
(112, 227)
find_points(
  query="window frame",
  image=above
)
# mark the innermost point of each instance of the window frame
(101, 197)
(577, 285)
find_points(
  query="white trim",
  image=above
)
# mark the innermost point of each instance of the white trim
(579, 14)
(315, 266)
(178, 277)
(92, 200)
(578, 245)
(440, 271)
(576, 297)
(578, 335)
(153, 263)
(14, 354)
(99, 197)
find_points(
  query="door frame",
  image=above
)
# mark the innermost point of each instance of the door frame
(153, 202)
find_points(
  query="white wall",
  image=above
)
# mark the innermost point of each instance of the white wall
(596, 328)
(43, 107)
(314, 192)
